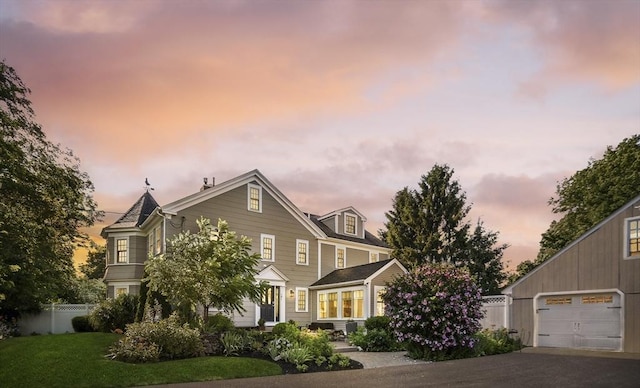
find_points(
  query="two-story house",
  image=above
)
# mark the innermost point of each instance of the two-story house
(319, 268)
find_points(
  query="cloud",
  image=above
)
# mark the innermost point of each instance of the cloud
(173, 70)
(597, 41)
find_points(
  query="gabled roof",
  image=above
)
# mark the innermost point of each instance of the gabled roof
(356, 275)
(249, 177)
(509, 289)
(349, 209)
(137, 214)
(369, 239)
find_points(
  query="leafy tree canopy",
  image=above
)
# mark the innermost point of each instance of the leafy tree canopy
(96, 263)
(592, 194)
(212, 268)
(429, 225)
(44, 200)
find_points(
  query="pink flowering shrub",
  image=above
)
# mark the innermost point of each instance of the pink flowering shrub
(435, 310)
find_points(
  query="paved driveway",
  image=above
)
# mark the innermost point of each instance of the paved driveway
(519, 370)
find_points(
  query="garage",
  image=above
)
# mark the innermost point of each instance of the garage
(590, 320)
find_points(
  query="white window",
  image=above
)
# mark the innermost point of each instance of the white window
(302, 300)
(122, 250)
(341, 304)
(155, 241)
(268, 247)
(302, 254)
(379, 301)
(350, 224)
(374, 257)
(632, 238)
(341, 257)
(254, 198)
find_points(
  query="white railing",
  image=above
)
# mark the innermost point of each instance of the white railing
(496, 312)
(53, 319)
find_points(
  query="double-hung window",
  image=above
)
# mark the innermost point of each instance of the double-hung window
(122, 250)
(254, 198)
(632, 238)
(341, 259)
(302, 254)
(302, 300)
(350, 224)
(268, 247)
(341, 304)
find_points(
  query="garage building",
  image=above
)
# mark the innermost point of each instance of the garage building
(587, 296)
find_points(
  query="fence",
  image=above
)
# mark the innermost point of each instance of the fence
(496, 312)
(53, 319)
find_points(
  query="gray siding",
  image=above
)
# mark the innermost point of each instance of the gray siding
(594, 263)
(357, 257)
(382, 280)
(274, 220)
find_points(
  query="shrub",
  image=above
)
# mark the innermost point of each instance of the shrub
(435, 309)
(490, 342)
(288, 330)
(112, 314)
(338, 359)
(374, 340)
(232, 343)
(8, 328)
(317, 342)
(380, 322)
(276, 347)
(299, 356)
(81, 324)
(218, 323)
(173, 341)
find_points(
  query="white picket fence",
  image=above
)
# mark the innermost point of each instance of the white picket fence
(496, 312)
(54, 319)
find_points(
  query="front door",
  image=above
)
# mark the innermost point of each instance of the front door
(270, 305)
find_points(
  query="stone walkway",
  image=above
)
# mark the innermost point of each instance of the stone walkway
(375, 359)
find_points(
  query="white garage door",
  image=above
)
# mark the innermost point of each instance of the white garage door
(589, 321)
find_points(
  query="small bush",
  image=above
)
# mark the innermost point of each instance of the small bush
(112, 314)
(81, 324)
(317, 342)
(218, 323)
(338, 359)
(276, 347)
(380, 322)
(490, 342)
(299, 356)
(287, 330)
(374, 340)
(232, 343)
(173, 341)
(8, 328)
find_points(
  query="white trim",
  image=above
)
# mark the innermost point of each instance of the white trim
(116, 259)
(259, 188)
(306, 301)
(273, 246)
(340, 211)
(319, 260)
(377, 256)
(339, 291)
(306, 243)
(625, 239)
(536, 319)
(344, 257)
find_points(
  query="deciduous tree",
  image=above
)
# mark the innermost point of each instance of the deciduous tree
(44, 199)
(592, 194)
(96, 263)
(211, 268)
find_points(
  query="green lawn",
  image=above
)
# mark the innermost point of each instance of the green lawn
(77, 360)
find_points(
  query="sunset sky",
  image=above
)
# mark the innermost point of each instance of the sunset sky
(339, 103)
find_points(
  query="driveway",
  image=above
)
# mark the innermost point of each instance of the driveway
(519, 369)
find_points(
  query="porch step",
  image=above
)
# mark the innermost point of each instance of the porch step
(343, 347)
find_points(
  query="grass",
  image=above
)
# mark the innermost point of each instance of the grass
(77, 360)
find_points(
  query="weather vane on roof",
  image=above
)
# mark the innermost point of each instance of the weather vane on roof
(147, 185)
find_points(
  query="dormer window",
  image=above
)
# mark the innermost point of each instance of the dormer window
(254, 198)
(350, 224)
